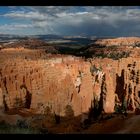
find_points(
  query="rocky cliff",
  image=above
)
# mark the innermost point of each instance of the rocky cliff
(36, 81)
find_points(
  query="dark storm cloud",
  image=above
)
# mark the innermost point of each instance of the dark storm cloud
(108, 22)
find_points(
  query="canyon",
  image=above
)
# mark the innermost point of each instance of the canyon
(43, 81)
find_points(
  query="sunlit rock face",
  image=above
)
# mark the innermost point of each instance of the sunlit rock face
(31, 79)
(39, 83)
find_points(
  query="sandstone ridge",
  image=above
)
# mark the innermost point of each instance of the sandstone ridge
(35, 81)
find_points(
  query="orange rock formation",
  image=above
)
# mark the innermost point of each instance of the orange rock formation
(33, 80)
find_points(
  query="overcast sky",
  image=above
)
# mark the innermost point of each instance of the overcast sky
(71, 20)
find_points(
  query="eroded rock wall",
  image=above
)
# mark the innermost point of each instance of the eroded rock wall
(37, 84)
(56, 82)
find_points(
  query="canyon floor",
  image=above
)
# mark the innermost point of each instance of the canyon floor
(116, 124)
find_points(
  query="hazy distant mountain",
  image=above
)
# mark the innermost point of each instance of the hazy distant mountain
(49, 38)
(8, 37)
